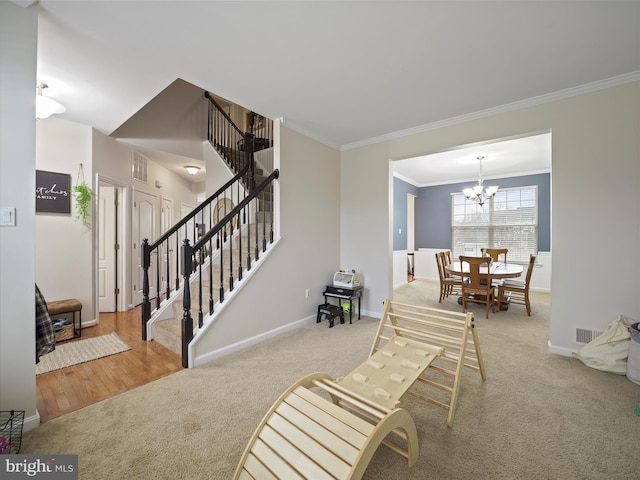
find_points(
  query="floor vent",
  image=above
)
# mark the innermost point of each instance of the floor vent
(584, 335)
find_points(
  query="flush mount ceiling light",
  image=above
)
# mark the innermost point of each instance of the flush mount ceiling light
(192, 169)
(478, 193)
(46, 106)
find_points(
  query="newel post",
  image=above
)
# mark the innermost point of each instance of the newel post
(146, 303)
(187, 320)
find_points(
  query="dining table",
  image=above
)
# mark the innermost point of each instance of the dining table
(499, 270)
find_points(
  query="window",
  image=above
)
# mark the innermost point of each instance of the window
(508, 220)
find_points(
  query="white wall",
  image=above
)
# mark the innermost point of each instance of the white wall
(306, 256)
(365, 222)
(18, 29)
(425, 268)
(595, 148)
(112, 161)
(64, 253)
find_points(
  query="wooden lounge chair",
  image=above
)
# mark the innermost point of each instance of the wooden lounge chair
(334, 434)
(307, 436)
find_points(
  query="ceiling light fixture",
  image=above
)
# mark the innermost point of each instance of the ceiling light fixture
(478, 193)
(192, 169)
(46, 106)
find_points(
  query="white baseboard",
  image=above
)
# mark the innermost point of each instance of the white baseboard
(31, 422)
(564, 351)
(221, 352)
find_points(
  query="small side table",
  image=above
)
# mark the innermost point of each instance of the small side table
(344, 294)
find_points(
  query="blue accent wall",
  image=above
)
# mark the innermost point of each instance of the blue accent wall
(433, 211)
(400, 191)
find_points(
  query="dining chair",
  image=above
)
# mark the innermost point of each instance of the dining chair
(476, 287)
(517, 291)
(495, 253)
(449, 284)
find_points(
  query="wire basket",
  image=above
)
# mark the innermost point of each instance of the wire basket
(11, 431)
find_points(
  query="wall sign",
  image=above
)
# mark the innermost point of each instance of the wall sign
(53, 192)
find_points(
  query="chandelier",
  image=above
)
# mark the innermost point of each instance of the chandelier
(479, 193)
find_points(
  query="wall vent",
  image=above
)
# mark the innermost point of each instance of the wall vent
(139, 167)
(584, 335)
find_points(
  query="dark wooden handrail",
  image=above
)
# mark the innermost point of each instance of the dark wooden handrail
(236, 210)
(189, 254)
(212, 221)
(181, 223)
(224, 114)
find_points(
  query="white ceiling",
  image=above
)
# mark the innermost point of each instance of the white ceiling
(501, 158)
(345, 73)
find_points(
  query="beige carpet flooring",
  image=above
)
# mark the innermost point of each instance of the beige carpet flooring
(537, 416)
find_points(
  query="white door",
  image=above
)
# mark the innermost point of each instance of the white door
(167, 251)
(144, 226)
(107, 248)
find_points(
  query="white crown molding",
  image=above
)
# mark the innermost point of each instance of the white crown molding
(530, 102)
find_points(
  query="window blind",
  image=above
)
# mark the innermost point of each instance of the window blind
(508, 220)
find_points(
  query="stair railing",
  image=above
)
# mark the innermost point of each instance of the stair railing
(214, 227)
(225, 137)
(167, 247)
(238, 222)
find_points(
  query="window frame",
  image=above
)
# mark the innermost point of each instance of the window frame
(493, 225)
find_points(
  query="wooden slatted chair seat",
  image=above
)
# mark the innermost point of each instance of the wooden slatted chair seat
(306, 436)
(439, 384)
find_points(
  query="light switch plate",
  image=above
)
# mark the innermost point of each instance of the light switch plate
(7, 216)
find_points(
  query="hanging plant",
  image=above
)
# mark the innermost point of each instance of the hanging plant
(83, 194)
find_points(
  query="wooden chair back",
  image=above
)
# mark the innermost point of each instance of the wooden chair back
(477, 288)
(532, 262)
(517, 291)
(495, 253)
(449, 283)
(440, 263)
(471, 273)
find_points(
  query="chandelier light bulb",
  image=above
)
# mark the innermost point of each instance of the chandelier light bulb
(478, 193)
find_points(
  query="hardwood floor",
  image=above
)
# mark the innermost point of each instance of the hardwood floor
(68, 389)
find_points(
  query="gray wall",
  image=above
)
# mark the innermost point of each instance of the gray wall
(400, 191)
(433, 210)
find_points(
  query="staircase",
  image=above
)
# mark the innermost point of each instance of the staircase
(215, 246)
(168, 330)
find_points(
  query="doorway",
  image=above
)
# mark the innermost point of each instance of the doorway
(110, 220)
(144, 227)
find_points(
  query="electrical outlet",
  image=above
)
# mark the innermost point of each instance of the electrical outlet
(306, 293)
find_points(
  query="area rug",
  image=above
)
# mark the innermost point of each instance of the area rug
(81, 351)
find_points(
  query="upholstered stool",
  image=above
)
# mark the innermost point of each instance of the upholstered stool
(64, 307)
